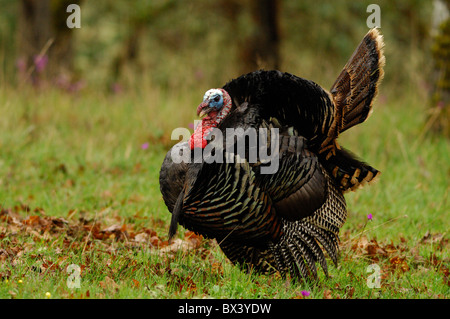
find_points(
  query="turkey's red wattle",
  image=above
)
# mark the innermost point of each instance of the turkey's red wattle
(201, 131)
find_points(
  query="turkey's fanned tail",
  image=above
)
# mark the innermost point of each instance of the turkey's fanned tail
(356, 87)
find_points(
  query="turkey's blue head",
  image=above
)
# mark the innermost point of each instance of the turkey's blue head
(212, 101)
(215, 107)
(216, 104)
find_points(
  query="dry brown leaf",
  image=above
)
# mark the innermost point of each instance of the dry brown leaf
(141, 238)
(109, 284)
(32, 220)
(399, 263)
(195, 239)
(179, 244)
(373, 249)
(136, 283)
(112, 228)
(156, 241)
(350, 291)
(327, 294)
(60, 222)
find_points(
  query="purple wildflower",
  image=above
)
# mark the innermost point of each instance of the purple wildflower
(305, 293)
(369, 217)
(40, 61)
(144, 146)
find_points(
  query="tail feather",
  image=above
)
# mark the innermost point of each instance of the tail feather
(327, 240)
(303, 255)
(293, 260)
(364, 72)
(314, 252)
(349, 172)
(299, 251)
(356, 87)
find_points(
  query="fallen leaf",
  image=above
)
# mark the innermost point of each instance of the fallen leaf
(179, 244)
(350, 291)
(155, 241)
(32, 220)
(327, 294)
(112, 229)
(399, 263)
(141, 238)
(109, 284)
(60, 222)
(375, 250)
(135, 283)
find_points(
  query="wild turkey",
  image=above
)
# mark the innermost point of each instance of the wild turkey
(284, 220)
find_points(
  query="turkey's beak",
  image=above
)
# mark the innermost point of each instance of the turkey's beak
(203, 109)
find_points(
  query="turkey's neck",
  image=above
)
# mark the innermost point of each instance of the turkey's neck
(201, 131)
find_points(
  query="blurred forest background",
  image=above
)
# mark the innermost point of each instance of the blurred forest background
(195, 45)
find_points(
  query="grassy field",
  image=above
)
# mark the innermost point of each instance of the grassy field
(79, 186)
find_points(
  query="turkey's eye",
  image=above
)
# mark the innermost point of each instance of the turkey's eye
(217, 99)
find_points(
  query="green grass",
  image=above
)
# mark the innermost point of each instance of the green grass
(80, 158)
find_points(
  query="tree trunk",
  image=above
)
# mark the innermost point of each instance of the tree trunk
(439, 120)
(261, 50)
